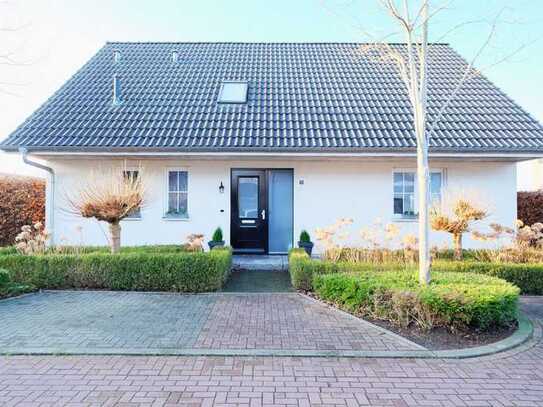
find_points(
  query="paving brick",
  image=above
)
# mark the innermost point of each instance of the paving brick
(513, 378)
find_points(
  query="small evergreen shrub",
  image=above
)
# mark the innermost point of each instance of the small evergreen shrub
(304, 237)
(217, 235)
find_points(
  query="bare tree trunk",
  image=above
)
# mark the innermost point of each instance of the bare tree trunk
(424, 225)
(115, 236)
(418, 96)
(457, 239)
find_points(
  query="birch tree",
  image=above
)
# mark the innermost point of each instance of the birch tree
(413, 19)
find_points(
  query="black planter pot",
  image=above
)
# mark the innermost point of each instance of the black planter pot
(212, 244)
(307, 246)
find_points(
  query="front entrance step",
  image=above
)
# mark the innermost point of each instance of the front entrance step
(244, 262)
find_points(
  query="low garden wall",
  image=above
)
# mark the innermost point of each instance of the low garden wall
(153, 268)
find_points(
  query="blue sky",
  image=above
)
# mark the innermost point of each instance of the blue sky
(60, 35)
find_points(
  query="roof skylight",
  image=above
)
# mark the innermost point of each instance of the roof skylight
(233, 92)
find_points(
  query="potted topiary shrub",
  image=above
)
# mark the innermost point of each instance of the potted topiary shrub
(216, 239)
(305, 242)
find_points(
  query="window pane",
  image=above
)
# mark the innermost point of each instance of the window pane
(398, 205)
(132, 175)
(233, 92)
(435, 182)
(183, 206)
(409, 182)
(398, 182)
(172, 203)
(280, 211)
(248, 197)
(172, 181)
(408, 205)
(182, 181)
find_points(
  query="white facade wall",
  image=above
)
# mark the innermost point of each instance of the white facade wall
(360, 189)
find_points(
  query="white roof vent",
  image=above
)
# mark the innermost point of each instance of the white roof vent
(116, 56)
(175, 56)
(233, 92)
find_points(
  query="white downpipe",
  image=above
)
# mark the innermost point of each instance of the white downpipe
(49, 195)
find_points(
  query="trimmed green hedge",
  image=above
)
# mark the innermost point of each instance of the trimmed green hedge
(151, 269)
(303, 269)
(452, 300)
(527, 276)
(9, 288)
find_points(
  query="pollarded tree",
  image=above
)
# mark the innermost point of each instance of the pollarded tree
(110, 197)
(456, 216)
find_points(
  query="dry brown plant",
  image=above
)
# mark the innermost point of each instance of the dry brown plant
(195, 242)
(109, 196)
(455, 215)
(32, 239)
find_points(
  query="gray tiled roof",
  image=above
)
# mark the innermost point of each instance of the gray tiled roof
(302, 97)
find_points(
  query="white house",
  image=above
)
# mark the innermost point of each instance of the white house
(268, 139)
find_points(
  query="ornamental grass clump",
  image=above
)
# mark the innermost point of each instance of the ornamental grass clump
(32, 239)
(109, 196)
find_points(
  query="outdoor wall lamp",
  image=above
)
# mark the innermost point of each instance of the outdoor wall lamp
(221, 188)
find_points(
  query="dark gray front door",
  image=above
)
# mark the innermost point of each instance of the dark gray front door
(249, 222)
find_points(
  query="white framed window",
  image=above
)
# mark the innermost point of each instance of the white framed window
(177, 194)
(233, 92)
(133, 175)
(405, 192)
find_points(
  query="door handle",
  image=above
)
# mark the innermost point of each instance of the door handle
(263, 213)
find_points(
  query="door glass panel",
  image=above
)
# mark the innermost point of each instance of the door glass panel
(248, 197)
(280, 199)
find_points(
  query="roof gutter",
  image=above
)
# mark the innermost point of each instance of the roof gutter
(517, 156)
(50, 194)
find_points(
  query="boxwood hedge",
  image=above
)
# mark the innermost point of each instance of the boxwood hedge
(451, 300)
(527, 276)
(144, 269)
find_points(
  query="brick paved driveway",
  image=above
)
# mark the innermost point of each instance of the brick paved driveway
(513, 378)
(65, 321)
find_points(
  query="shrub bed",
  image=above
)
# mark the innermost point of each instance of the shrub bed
(9, 289)
(145, 269)
(452, 300)
(527, 276)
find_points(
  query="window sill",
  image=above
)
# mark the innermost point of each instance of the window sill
(405, 219)
(176, 218)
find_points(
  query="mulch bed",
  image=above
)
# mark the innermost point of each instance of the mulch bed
(439, 338)
(442, 339)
